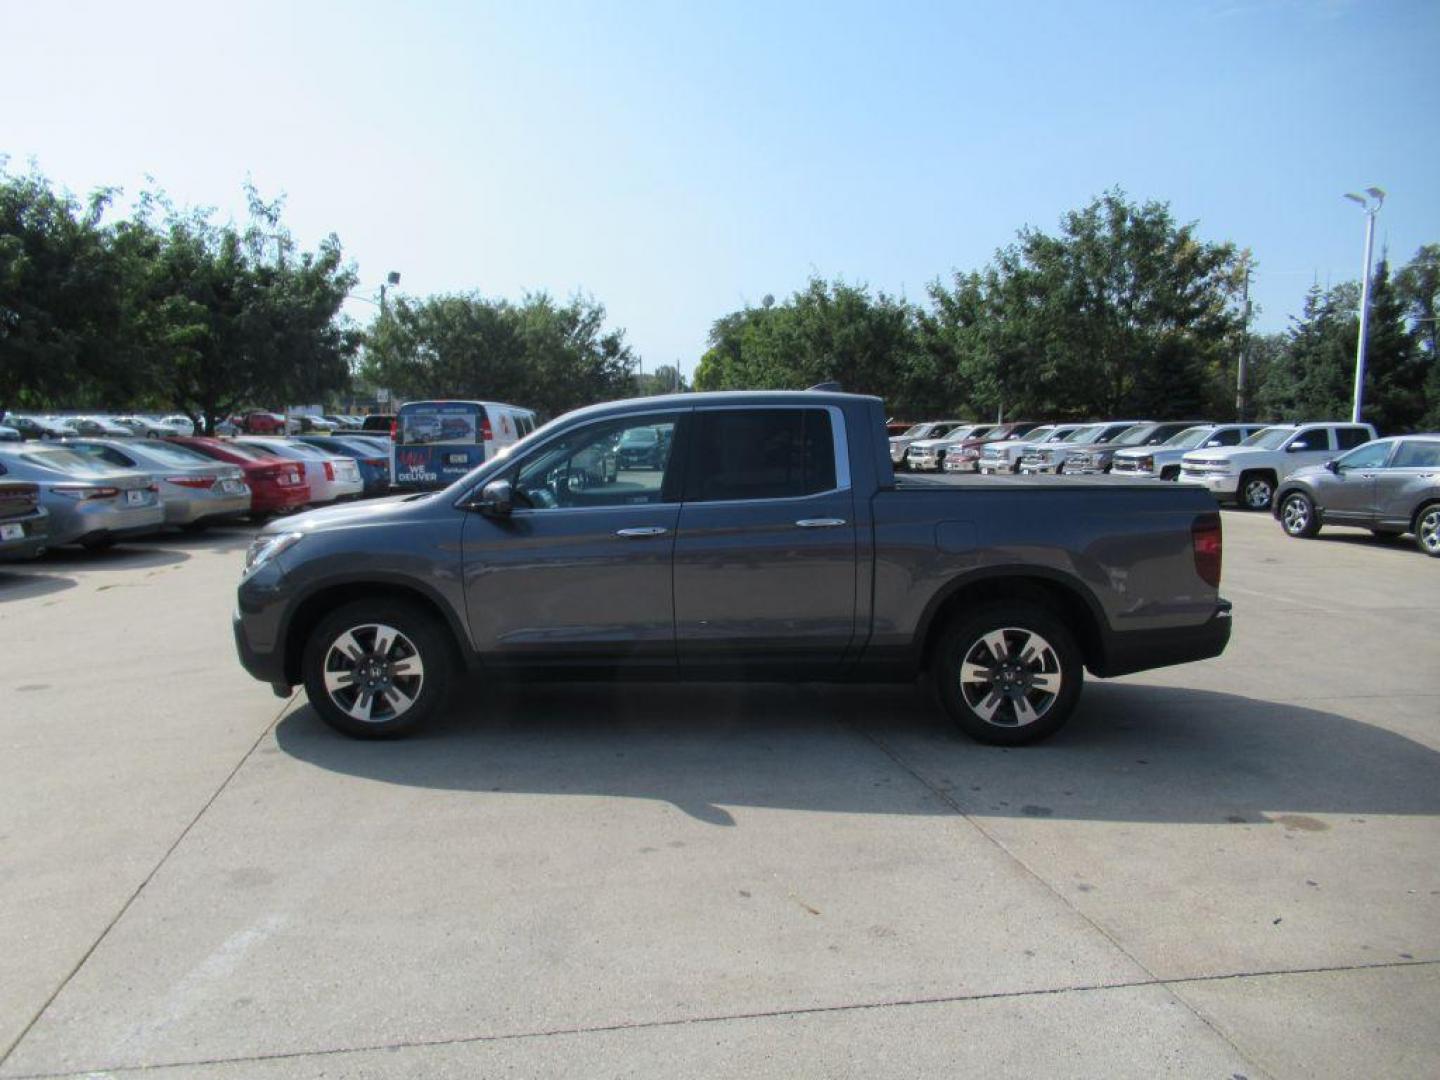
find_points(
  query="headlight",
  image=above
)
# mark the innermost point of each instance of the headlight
(264, 548)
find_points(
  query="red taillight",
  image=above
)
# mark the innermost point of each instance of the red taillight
(85, 491)
(196, 482)
(1207, 543)
(485, 432)
(394, 431)
(329, 471)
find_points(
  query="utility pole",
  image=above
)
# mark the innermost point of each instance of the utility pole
(1241, 404)
(1371, 206)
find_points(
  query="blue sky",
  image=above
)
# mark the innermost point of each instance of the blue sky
(676, 160)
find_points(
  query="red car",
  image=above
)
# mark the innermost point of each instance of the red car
(261, 423)
(275, 486)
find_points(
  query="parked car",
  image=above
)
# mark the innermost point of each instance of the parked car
(1389, 486)
(898, 427)
(24, 523)
(259, 423)
(641, 448)
(97, 426)
(305, 424)
(1099, 458)
(928, 455)
(964, 456)
(194, 489)
(331, 477)
(276, 487)
(1055, 457)
(437, 442)
(343, 423)
(143, 426)
(930, 429)
(89, 502)
(1163, 461)
(754, 562)
(178, 424)
(381, 422)
(371, 457)
(9, 434)
(998, 458)
(1250, 473)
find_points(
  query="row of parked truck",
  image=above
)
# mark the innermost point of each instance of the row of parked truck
(95, 491)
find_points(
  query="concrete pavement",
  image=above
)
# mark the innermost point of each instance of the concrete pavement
(1222, 869)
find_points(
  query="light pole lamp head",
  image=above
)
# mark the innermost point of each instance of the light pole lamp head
(1360, 199)
(1378, 194)
(393, 277)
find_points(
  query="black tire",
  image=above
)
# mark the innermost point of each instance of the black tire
(419, 641)
(1256, 491)
(1386, 536)
(1298, 516)
(1427, 529)
(963, 647)
(98, 543)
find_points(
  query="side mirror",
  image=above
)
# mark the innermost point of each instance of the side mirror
(1333, 466)
(497, 498)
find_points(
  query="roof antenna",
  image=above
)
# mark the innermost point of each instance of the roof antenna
(830, 386)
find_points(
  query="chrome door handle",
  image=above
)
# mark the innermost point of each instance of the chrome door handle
(820, 523)
(648, 530)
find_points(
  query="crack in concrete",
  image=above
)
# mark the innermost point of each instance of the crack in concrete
(135, 895)
(720, 1018)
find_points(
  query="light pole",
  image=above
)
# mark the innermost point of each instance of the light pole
(392, 278)
(1371, 206)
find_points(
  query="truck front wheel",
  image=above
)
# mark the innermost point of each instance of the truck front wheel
(1008, 673)
(374, 670)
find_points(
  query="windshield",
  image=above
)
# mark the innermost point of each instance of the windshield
(1270, 438)
(960, 434)
(1039, 434)
(1190, 437)
(1060, 434)
(1135, 436)
(916, 431)
(1086, 434)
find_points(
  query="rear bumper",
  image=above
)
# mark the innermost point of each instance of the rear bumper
(35, 529)
(1142, 650)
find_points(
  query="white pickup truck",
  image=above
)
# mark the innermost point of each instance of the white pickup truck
(1251, 472)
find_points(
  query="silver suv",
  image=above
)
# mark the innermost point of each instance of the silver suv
(1389, 486)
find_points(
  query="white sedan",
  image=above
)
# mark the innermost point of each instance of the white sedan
(330, 477)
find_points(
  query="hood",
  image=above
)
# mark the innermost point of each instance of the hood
(926, 444)
(361, 513)
(1224, 453)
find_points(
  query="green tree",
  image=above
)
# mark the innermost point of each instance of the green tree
(1419, 287)
(1313, 376)
(66, 297)
(549, 356)
(1394, 399)
(233, 317)
(1123, 311)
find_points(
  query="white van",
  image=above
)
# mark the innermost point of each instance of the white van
(434, 443)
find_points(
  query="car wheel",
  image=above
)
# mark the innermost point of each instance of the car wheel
(1427, 530)
(1009, 673)
(1298, 517)
(375, 670)
(1257, 491)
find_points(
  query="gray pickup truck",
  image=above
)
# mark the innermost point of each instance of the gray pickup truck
(772, 542)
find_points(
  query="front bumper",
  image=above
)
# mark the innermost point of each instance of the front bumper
(929, 463)
(997, 468)
(1221, 485)
(1121, 469)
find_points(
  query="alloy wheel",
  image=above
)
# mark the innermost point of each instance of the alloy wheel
(1295, 514)
(1010, 677)
(1258, 494)
(1429, 531)
(373, 673)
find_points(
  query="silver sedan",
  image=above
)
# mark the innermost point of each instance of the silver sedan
(90, 502)
(193, 487)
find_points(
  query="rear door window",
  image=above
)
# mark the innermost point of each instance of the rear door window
(1414, 454)
(761, 454)
(1347, 438)
(1313, 438)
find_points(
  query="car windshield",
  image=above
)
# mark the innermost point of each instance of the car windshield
(1060, 434)
(1270, 438)
(1134, 436)
(1086, 434)
(960, 434)
(1039, 434)
(915, 431)
(67, 461)
(1190, 437)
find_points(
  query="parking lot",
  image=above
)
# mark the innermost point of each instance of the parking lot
(1228, 869)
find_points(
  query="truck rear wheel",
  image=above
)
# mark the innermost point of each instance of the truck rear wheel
(375, 670)
(1008, 673)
